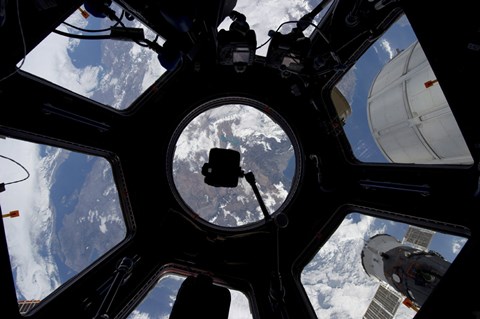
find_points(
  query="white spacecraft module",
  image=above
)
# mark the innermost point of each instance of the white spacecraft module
(409, 116)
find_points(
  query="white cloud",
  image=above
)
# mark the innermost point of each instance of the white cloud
(29, 236)
(139, 315)
(103, 225)
(239, 306)
(203, 140)
(335, 280)
(388, 48)
(153, 72)
(51, 61)
(245, 122)
(457, 244)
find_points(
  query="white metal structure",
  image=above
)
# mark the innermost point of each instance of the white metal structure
(409, 116)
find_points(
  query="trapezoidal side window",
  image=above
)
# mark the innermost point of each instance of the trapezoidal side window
(375, 266)
(393, 107)
(267, 148)
(101, 68)
(159, 301)
(61, 213)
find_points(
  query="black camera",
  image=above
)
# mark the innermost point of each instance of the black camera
(223, 168)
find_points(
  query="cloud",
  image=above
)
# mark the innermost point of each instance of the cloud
(387, 47)
(50, 60)
(263, 16)
(139, 315)
(143, 56)
(457, 244)
(29, 236)
(239, 308)
(246, 123)
(334, 280)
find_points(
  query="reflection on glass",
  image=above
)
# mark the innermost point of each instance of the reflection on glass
(159, 301)
(69, 215)
(372, 267)
(112, 72)
(399, 112)
(265, 150)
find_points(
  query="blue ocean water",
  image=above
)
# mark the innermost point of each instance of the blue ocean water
(89, 52)
(69, 180)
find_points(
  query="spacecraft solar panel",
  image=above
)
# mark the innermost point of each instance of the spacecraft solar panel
(418, 237)
(384, 304)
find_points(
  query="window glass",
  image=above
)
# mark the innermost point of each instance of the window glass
(112, 72)
(377, 268)
(279, 15)
(399, 113)
(59, 218)
(159, 301)
(265, 150)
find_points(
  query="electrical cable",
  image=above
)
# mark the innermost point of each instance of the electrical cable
(147, 44)
(332, 53)
(82, 36)
(296, 21)
(112, 16)
(305, 20)
(23, 43)
(281, 25)
(86, 30)
(23, 167)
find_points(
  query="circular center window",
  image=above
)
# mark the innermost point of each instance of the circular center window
(267, 149)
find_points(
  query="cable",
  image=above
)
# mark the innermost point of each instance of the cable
(26, 171)
(295, 21)
(86, 30)
(305, 20)
(83, 37)
(112, 16)
(23, 42)
(332, 53)
(281, 25)
(143, 43)
(147, 44)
